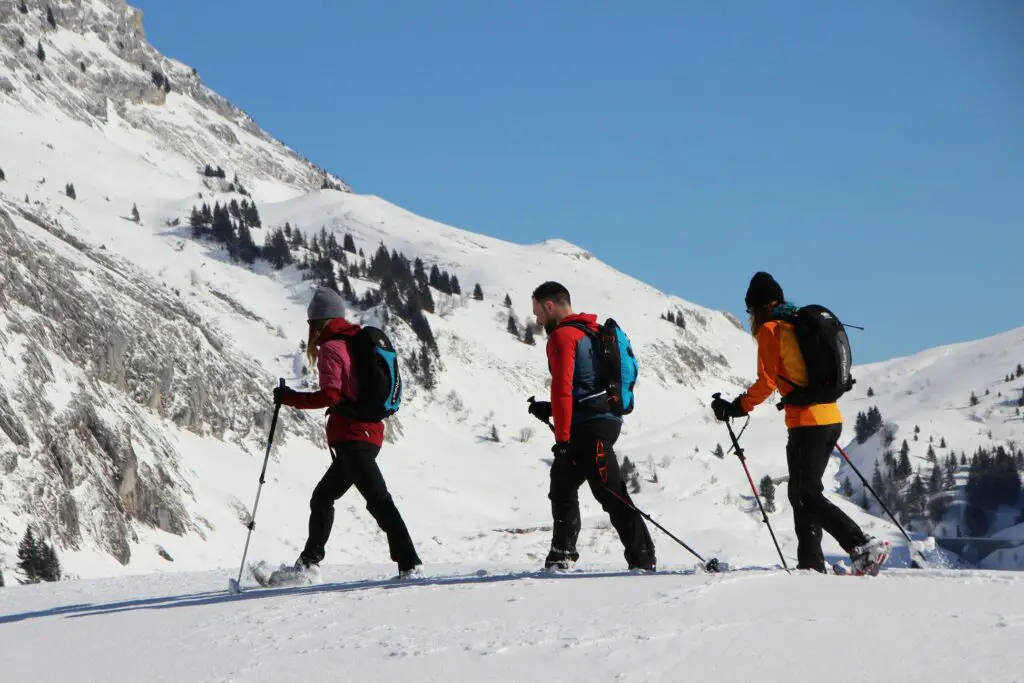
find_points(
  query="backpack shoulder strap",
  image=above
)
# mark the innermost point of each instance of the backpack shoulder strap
(580, 326)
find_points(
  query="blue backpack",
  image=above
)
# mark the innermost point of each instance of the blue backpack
(618, 367)
(380, 382)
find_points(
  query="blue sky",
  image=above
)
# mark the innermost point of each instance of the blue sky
(686, 143)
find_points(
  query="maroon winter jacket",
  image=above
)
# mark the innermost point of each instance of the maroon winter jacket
(337, 381)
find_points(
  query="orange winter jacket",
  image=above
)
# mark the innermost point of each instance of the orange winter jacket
(779, 366)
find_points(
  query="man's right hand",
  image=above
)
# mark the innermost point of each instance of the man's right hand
(540, 410)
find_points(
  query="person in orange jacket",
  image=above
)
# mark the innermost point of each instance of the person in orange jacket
(585, 433)
(814, 431)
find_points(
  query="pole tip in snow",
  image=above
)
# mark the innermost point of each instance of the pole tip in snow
(233, 587)
(713, 566)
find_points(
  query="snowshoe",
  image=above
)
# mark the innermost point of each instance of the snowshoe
(868, 558)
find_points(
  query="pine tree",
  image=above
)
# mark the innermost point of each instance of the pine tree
(903, 468)
(348, 244)
(456, 288)
(421, 326)
(871, 392)
(864, 504)
(719, 452)
(50, 19)
(40, 52)
(768, 493)
(1020, 370)
(528, 336)
(1, 579)
(3, 176)
(277, 250)
(435, 276)
(49, 565)
(949, 477)
(935, 481)
(245, 249)
(347, 292)
(478, 294)
(298, 239)
(508, 301)
(513, 327)
(428, 377)
(942, 442)
(69, 190)
(847, 488)
(974, 399)
(631, 475)
(932, 458)
(135, 213)
(889, 459)
(196, 221)
(860, 428)
(494, 434)
(917, 429)
(963, 458)
(29, 558)
(223, 230)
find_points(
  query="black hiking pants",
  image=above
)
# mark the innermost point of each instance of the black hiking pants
(354, 463)
(807, 454)
(591, 458)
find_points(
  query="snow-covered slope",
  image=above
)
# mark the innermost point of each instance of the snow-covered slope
(500, 626)
(137, 361)
(166, 347)
(927, 401)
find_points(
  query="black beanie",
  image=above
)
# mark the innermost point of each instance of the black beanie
(763, 290)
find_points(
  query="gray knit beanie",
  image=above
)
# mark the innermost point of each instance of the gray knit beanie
(326, 304)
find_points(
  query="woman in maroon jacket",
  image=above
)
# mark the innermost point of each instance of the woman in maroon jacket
(354, 444)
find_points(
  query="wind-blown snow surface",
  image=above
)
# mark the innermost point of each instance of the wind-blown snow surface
(499, 624)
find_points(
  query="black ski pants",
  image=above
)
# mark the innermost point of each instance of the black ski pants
(807, 454)
(591, 458)
(354, 463)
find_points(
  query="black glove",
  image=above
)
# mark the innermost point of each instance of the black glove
(280, 393)
(540, 410)
(723, 409)
(561, 449)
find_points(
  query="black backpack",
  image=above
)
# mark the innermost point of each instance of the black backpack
(375, 363)
(826, 351)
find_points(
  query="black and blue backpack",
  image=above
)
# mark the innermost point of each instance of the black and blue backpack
(618, 369)
(375, 362)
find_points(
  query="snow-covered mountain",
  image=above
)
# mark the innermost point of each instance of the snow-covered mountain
(137, 360)
(946, 404)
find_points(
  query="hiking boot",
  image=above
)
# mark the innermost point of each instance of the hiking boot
(305, 564)
(411, 573)
(560, 560)
(869, 557)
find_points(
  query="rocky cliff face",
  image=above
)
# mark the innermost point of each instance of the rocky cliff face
(93, 62)
(96, 359)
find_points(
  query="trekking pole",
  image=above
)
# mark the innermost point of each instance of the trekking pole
(235, 585)
(913, 560)
(711, 565)
(743, 461)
